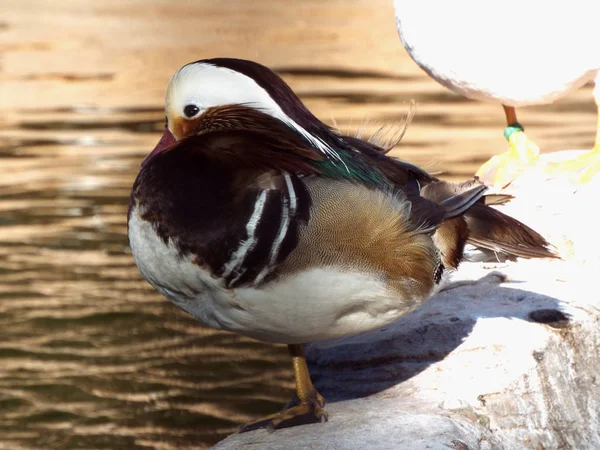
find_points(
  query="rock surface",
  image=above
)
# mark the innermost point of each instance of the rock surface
(505, 358)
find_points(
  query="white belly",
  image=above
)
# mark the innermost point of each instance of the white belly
(316, 304)
(311, 305)
(515, 52)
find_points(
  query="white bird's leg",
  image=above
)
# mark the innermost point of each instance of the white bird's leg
(584, 168)
(501, 169)
(521, 147)
(597, 98)
(594, 165)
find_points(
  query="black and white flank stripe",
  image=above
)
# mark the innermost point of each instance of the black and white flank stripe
(271, 233)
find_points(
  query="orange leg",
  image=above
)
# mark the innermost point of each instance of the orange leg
(309, 406)
(522, 153)
(511, 115)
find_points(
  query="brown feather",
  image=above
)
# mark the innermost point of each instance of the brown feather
(488, 228)
(456, 199)
(450, 238)
(497, 199)
(240, 136)
(367, 230)
(493, 230)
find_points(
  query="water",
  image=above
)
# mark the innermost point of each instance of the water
(90, 355)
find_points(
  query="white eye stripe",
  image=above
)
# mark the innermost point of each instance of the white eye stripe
(237, 258)
(288, 211)
(207, 85)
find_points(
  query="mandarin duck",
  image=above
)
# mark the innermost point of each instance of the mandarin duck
(255, 217)
(515, 53)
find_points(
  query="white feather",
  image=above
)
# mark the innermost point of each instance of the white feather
(287, 213)
(237, 258)
(206, 85)
(317, 303)
(517, 52)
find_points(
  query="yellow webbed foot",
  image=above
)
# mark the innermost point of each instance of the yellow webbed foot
(591, 170)
(585, 167)
(580, 170)
(300, 413)
(307, 407)
(522, 154)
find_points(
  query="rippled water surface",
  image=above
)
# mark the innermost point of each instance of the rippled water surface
(90, 355)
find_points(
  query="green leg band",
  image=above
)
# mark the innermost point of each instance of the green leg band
(513, 127)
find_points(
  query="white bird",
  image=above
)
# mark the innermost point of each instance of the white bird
(514, 52)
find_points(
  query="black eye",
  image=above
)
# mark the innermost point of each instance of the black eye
(190, 111)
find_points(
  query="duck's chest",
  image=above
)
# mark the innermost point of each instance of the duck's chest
(182, 225)
(179, 277)
(196, 238)
(311, 304)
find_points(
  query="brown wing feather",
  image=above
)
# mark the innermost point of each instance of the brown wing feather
(243, 137)
(497, 199)
(487, 227)
(354, 227)
(494, 230)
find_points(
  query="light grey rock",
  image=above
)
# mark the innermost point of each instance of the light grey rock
(507, 359)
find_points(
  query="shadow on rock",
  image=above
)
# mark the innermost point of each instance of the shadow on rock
(366, 364)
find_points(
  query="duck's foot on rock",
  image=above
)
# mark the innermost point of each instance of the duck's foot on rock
(580, 170)
(501, 169)
(300, 413)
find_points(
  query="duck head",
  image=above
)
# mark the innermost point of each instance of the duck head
(198, 88)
